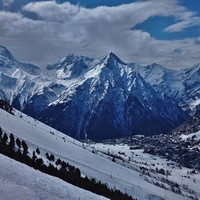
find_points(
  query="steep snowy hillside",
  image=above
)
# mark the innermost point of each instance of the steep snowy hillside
(124, 175)
(111, 100)
(18, 181)
(182, 85)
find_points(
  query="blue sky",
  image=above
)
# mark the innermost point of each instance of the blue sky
(166, 32)
(156, 25)
(95, 3)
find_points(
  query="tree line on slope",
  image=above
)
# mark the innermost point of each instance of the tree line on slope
(18, 150)
(6, 106)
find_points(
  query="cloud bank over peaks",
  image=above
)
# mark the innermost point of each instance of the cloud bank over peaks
(45, 31)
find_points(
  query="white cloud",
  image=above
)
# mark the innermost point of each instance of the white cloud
(51, 11)
(185, 20)
(64, 28)
(7, 3)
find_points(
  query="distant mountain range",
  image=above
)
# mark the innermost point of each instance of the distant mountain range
(182, 85)
(87, 98)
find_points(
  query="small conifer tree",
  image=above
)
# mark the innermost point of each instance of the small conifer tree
(38, 151)
(25, 147)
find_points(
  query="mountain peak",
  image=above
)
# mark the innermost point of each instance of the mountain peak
(8, 62)
(5, 53)
(156, 69)
(3, 49)
(72, 58)
(112, 56)
(111, 60)
(155, 66)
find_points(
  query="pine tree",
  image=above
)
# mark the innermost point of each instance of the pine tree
(52, 158)
(38, 151)
(113, 159)
(34, 156)
(18, 142)
(11, 145)
(5, 138)
(25, 147)
(12, 141)
(58, 162)
(1, 132)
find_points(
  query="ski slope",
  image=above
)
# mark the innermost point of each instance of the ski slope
(18, 181)
(117, 175)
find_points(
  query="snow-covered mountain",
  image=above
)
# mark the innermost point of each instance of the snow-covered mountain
(182, 85)
(18, 81)
(111, 100)
(9, 65)
(86, 98)
(70, 67)
(58, 76)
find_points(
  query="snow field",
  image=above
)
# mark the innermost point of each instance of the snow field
(19, 181)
